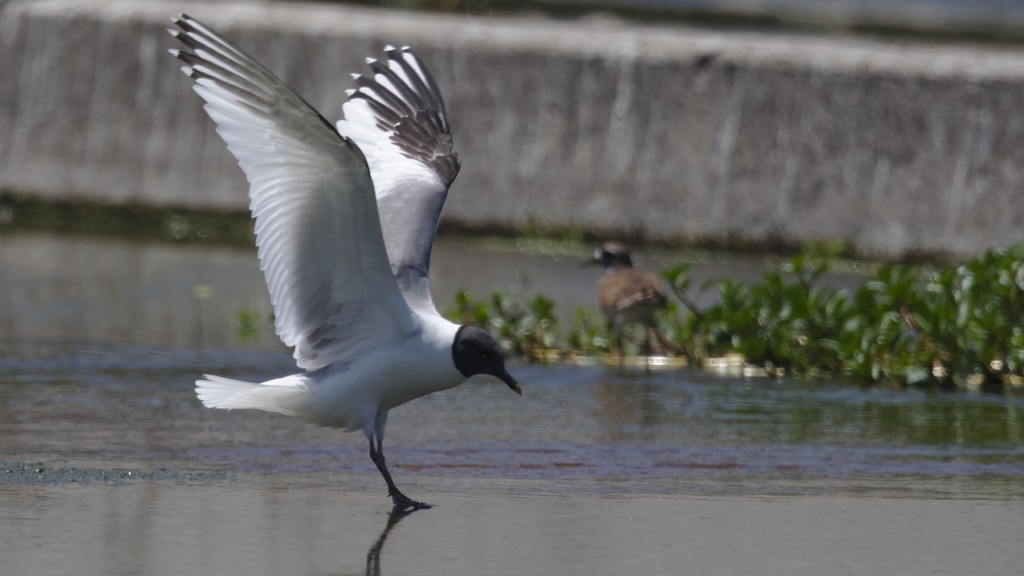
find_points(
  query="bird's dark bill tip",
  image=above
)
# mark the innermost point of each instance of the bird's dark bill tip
(511, 382)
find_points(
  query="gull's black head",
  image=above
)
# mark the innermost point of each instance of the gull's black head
(475, 352)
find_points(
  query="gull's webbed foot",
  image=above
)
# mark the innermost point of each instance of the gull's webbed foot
(405, 503)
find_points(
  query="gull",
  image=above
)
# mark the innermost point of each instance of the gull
(345, 219)
(627, 294)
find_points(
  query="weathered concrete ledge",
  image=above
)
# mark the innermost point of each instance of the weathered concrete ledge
(659, 133)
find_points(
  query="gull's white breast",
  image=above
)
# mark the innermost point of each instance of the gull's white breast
(351, 397)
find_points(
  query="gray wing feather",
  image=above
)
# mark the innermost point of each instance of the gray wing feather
(397, 117)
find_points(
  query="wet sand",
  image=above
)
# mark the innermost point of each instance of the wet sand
(271, 526)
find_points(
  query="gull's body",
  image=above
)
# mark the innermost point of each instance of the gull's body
(345, 221)
(355, 396)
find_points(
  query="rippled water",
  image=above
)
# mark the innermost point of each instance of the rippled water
(133, 407)
(104, 377)
(109, 465)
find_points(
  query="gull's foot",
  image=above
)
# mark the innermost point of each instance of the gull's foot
(403, 502)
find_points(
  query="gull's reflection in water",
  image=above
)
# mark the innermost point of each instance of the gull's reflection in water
(373, 555)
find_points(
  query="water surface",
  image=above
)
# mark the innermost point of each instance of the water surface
(103, 339)
(109, 465)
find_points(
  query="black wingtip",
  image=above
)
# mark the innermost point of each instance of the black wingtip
(406, 101)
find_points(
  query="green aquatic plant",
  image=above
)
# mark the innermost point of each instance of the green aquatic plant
(948, 328)
(590, 333)
(465, 309)
(530, 330)
(945, 328)
(247, 328)
(905, 325)
(787, 321)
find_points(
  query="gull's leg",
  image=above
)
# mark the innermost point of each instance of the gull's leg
(399, 499)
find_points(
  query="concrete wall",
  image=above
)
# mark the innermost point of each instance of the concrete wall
(661, 133)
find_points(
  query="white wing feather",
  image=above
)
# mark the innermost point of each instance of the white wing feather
(317, 227)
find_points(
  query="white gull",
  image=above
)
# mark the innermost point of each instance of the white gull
(345, 220)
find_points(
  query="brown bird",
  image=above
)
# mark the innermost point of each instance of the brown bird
(628, 295)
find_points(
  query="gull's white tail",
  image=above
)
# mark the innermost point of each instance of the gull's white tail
(286, 396)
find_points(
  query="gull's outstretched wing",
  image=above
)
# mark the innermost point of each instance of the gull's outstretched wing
(317, 228)
(397, 117)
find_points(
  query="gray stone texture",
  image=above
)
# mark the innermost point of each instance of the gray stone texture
(663, 133)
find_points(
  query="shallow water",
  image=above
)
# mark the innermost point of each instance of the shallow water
(587, 430)
(109, 465)
(87, 289)
(256, 528)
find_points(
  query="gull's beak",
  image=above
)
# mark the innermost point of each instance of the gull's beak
(511, 382)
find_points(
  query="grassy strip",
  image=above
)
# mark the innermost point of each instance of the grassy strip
(947, 328)
(21, 213)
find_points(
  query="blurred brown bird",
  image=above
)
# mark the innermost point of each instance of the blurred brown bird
(628, 294)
